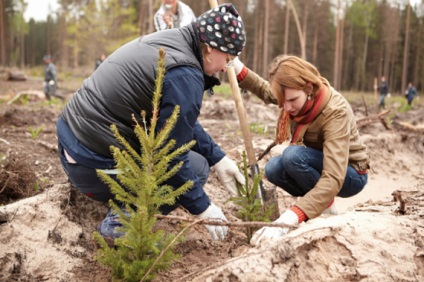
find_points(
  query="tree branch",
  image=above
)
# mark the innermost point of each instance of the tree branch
(361, 122)
(227, 223)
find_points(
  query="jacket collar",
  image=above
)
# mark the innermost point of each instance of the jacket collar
(210, 80)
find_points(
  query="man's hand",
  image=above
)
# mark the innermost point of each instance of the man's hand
(228, 173)
(167, 18)
(270, 233)
(213, 212)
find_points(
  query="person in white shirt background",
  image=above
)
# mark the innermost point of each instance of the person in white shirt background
(173, 14)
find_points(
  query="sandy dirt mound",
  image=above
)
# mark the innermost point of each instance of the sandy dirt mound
(36, 236)
(374, 244)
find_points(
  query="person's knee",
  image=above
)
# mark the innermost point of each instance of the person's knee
(203, 173)
(272, 167)
(353, 184)
(292, 155)
(276, 164)
(200, 167)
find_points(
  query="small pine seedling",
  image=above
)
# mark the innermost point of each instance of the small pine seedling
(250, 207)
(142, 251)
(35, 132)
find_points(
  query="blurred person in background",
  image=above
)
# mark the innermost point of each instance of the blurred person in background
(50, 77)
(410, 93)
(384, 91)
(99, 61)
(173, 14)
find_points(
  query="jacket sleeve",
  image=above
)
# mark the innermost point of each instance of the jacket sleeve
(258, 86)
(50, 73)
(206, 146)
(183, 86)
(158, 19)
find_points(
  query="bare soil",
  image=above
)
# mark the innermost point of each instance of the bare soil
(46, 225)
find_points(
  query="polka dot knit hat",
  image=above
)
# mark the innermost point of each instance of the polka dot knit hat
(222, 28)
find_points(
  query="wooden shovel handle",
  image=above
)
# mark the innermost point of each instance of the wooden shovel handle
(213, 3)
(241, 112)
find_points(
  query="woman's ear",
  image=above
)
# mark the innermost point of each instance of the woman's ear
(208, 49)
(309, 88)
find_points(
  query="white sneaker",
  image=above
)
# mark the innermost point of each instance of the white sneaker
(331, 210)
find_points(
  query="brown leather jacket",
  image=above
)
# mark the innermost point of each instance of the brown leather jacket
(334, 132)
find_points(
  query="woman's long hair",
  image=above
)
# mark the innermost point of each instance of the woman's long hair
(293, 72)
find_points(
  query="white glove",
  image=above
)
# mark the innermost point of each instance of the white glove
(51, 82)
(332, 210)
(213, 212)
(270, 233)
(228, 172)
(238, 65)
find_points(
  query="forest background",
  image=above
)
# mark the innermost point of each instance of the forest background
(353, 43)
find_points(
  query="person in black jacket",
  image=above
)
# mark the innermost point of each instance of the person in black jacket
(410, 93)
(384, 91)
(123, 86)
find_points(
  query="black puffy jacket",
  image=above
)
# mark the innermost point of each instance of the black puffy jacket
(123, 85)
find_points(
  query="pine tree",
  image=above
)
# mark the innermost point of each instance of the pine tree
(142, 190)
(250, 207)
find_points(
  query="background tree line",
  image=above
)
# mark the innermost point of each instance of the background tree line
(351, 42)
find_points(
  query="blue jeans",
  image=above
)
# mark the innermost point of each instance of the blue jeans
(85, 179)
(382, 102)
(409, 97)
(299, 168)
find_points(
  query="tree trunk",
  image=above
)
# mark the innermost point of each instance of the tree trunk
(16, 75)
(337, 49)
(417, 54)
(299, 30)
(260, 46)
(286, 28)
(48, 36)
(2, 35)
(305, 22)
(63, 38)
(151, 15)
(140, 17)
(346, 81)
(265, 40)
(341, 47)
(22, 36)
(256, 51)
(365, 53)
(315, 46)
(406, 49)
(76, 52)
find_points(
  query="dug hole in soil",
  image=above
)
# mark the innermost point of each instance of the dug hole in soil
(46, 225)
